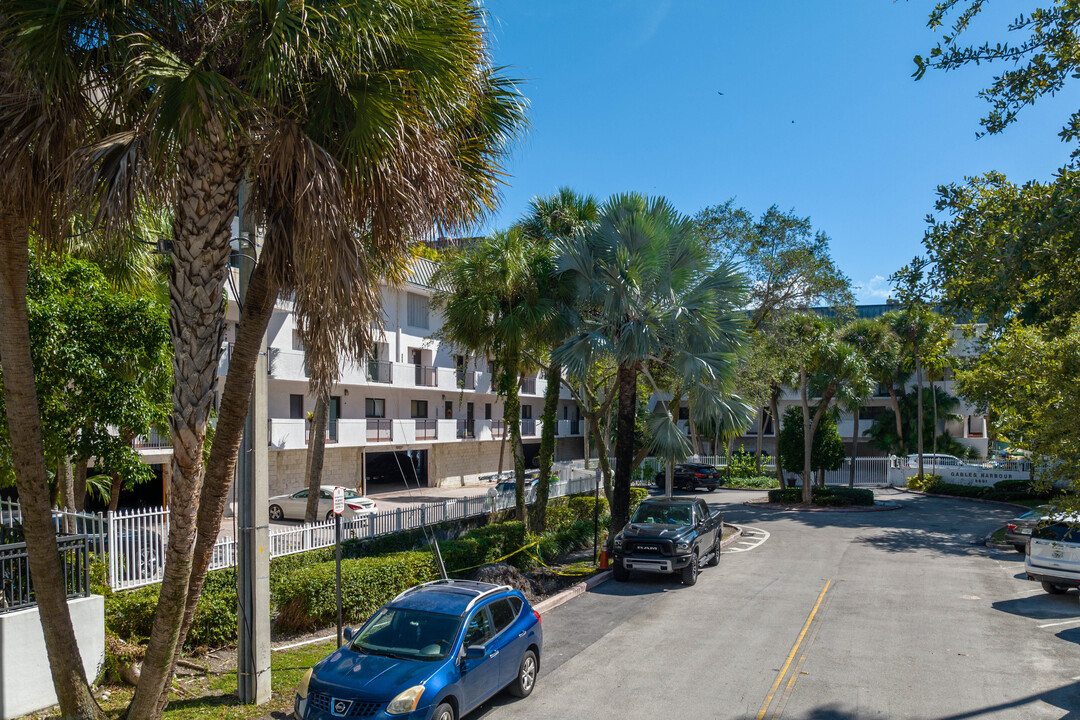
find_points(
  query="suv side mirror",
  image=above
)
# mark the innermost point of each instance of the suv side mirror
(348, 634)
(475, 652)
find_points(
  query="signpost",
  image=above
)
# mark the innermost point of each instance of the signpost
(339, 507)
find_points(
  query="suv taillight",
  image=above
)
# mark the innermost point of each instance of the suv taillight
(700, 475)
(1010, 526)
(539, 620)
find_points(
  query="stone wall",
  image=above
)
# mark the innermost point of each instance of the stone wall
(462, 463)
(341, 466)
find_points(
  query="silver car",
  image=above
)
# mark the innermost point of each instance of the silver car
(293, 507)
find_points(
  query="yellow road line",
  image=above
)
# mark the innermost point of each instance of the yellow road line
(778, 711)
(791, 655)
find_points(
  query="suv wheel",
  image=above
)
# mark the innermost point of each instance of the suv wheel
(714, 559)
(443, 712)
(619, 572)
(1054, 589)
(526, 677)
(689, 573)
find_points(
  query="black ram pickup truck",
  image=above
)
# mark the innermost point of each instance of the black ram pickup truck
(668, 536)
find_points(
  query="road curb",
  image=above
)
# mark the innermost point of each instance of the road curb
(733, 538)
(571, 592)
(877, 507)
(975, 500)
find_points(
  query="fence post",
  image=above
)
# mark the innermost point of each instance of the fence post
(399, 519)
(111, 560)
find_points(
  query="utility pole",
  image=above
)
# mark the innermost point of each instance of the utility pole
(253, 541)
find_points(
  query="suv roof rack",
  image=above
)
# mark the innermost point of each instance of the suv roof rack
(480, 595)
(493, 591)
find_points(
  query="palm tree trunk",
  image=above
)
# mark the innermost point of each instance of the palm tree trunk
(502, 444)
(208, 184)
(512, 418)
(315, 453)
(31, 480)
(65, 483)
(773, 402)
(255, 315)
(919, 422)
(933, 397)
(547, 447)
(626, 386)
(808, 438)
(895, 401)
(854, 448)
(602, 458)
(79, 483)
(757, 443)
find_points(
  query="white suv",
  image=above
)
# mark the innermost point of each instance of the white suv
(1053, 556)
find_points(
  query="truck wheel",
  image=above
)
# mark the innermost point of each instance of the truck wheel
(714, 559)
(1054, 589)
(619, 572)
(689, 573)
(1022, 549)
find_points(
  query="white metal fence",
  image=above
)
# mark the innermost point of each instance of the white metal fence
(869, 472)
(133, 541)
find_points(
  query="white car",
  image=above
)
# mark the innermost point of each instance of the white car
(929, 460)
(1053, 556)
(293, 507)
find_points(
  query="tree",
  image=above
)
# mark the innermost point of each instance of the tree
(883, 433)
(492, 306)
(649, 293)
(1043, 59)
(787, 262)
(315, 453)
(826, 451)
(549, 220)
(879, 347)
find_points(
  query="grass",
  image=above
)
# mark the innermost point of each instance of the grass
(214, 695)
(998, 535)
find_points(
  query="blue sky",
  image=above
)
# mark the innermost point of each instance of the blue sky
(819, 113)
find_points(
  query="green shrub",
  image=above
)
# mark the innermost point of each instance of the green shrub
(556, 544)
(636, 496)
(583, 505)
(307, 600)
(130, 615)
(741, 464)
(827, 496)
(1004, 491)
(757, 482)
(919, 482)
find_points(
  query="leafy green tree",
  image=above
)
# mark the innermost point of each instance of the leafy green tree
(883, 433)
(880, 348)
(826, 450)
(787, 262)
(651, 295)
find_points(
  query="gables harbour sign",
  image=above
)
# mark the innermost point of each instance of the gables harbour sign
(971, 474)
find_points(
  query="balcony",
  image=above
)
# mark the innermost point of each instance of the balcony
(466, 429)
(379, 430)
(568, 428)
(498, 429)
(528, 427)
(156, 440)
(425, 376)
(527, 386)
(427, 429)
(379, 372)
(465, 379)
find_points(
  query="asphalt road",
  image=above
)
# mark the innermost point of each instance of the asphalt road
(835, 616)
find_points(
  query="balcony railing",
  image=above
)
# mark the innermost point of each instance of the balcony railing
(427, 429)
(528, 427)
(498, 429)
(16, 585)
(466, 428)
(527, 386)
(425, 376)
(466, 379)
(154, 441)
(379, 430)
(379, 372)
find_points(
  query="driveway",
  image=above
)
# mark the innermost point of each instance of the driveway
(834, 615)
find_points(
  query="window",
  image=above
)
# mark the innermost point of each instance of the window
(418, 310)
(300, 495)
(449, 409)
(491, 367)
(374, 407)
(526, 412)
(297, 343)
(480, 629)
(515, 603)
(487, 411)
(418, 408)
(684, 412)
(501, 615)
(296, 407)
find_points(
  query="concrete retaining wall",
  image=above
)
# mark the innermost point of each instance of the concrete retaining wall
(25, 681)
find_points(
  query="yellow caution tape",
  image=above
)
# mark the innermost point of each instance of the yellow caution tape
(489, 562)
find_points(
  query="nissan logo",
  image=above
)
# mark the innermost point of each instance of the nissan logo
(340, 707)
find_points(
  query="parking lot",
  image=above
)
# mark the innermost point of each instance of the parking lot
(819, 616)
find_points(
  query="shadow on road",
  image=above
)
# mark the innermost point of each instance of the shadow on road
(1041, 607)
(639, 584)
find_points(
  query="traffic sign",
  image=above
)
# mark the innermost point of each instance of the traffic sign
(339, 500)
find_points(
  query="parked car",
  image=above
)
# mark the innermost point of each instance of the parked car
(293, 507)
(435, 652)
(691, 476)
(668, 536)
(1053, 556)
(929, 460)
(1018, 530)
(507, 487)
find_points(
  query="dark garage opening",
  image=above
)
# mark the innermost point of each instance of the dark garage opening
(396, 471)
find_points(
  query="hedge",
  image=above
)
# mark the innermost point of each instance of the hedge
(130, 615)
(306, 600)
(827, 496)
(1005, 491)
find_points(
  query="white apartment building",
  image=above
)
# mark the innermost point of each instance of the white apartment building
(417, 413)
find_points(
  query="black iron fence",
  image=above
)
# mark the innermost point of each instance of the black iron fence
(16, 585)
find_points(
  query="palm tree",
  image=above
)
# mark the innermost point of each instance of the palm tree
(492, 307)
(550, 220)
(649, 294)
(360, 126)
(879, 346)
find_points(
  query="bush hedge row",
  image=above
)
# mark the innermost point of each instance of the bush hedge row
(827, 496)
(1005, 491)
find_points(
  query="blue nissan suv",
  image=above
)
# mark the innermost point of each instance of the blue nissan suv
(435, 652)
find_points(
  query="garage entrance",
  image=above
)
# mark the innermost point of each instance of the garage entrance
(396, 471)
